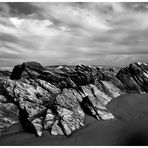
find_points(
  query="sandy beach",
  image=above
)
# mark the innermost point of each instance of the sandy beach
(129, 129)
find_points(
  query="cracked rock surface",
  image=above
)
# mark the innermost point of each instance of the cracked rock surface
(57, 99)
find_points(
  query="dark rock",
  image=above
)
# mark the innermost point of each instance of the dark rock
(9, 115)
(27, 69)
(140, 74)
(118, 83)
(125, 76)
(109, 74)
(5, 73)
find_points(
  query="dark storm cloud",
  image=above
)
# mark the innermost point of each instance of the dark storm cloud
(23, 8)
(8, 38)
(136, 6)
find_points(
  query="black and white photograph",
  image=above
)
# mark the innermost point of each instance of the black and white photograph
(73, 73)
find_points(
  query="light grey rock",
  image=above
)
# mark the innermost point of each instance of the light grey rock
(38, 125)
(111, 89)
(56, 129)
(69, 111)
(49, 119)
(95, 101)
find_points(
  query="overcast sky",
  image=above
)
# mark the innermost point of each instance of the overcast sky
(73, 33)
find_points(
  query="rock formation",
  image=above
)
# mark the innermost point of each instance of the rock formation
(57, 99)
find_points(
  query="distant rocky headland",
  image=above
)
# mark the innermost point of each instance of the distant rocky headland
(57, 99)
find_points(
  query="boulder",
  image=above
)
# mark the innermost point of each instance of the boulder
(69, 111)
(94, 102)
(110, 89)
(125, 76)
(9, 115)
(140, 74)
(38, 125)
(49, 119)
(56, 129)
(31, 101)
(27, 69)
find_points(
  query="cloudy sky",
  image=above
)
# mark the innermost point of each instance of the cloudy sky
(73, 33)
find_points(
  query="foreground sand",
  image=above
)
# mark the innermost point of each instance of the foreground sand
(96, 133)
(130, 127)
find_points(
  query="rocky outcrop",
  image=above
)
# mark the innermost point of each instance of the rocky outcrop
(5, 73)
(128, 81)
(94, 102)
(110, 89)
(57, 99)
(9, 115)
(134, 77)
(140, 75)
(69, 111)
(27, 70)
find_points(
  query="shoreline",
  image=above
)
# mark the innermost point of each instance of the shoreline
(128, 128)
(94, 133)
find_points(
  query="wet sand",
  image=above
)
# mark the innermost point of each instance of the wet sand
(95, 133)
(128, 129)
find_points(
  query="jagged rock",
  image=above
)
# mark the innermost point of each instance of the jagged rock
(68, 120)
(140, 74)
(95, 101)
(3, 99)
(31, 92)
(71, 115)
(110, 89)
(38, 125)
(49, 87)
(5, 73)
(56, 99)
(49, 119)
(56, 129)
(35, 70)
(32, 109)
(79, 95)
(27, 69)
(128, 81)
(109, 74)
(51, 77)
(30, 100)
(117, 83)
(9, 115)
(84, 75)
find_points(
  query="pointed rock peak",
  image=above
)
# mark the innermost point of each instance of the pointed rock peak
(138, 63)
